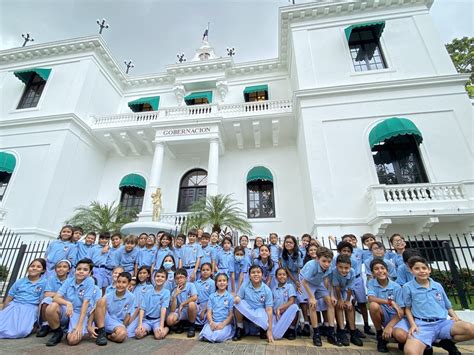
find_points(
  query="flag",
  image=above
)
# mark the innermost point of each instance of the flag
(206, 33)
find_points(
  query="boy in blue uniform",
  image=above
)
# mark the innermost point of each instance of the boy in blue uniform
(83, 248)
(183, 302)
(72, 300)
(99, 255)
(127, 256)
(427, 307)
(312, 277)
(207, 250)
(178, 248)
(403, 271)
(342, 279)
(378, 252)
(114, 311)
(386, 303)
(275, 249)
(359, 285)
(399, 246)
(153, 309)
(191, 256)
(147, 254)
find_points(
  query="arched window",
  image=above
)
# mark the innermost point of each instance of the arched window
(260, 196)
(394, 143)
(192, 188)
(7, 165)
(132, 187)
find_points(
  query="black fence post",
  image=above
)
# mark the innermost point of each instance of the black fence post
(16, 268)
(454, 271)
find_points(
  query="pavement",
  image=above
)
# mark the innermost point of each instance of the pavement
(179, 344)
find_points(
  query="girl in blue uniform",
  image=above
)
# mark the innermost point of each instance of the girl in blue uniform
(152, 314)
(178, 248)
(59, 249)
(143, 284)
(254, 302)
(244, 243)
(304, 329)
(207, 250)
(127, 256)
(147, 255)
(115, 273)
(292, 260)
(20, 309)
(266, 264)
(204, 286)
(225, 259)
(72, 301)
(191, 256)
(99, 255)
(241, 267)
(219, 313)
(284, 307)
(258, 242)
(53, 284)
(214, 244)
(305, 240)
(169, 265)
(165, 248)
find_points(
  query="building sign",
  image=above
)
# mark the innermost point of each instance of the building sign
(186, 131)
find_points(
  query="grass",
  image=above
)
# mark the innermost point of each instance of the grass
(457, 303)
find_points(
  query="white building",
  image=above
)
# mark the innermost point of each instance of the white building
(361, 124)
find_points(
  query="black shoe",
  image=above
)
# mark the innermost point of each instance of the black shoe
(359, 334)
(56, 338)
(342, 337)
(333, 339)
(449, 346)
(356, 341)
(323, 330)
(299, 331)
(239, 332)
(317, 339)
(101, 337)
(306, 331)
(263, 333)
(191, 332)
(44, 330)
(179, 328)
(291, 334)
(382, 346)
(367, 330)
(401, 346)
(428, 351)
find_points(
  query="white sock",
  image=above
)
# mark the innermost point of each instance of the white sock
(240, 325)
(306, 323)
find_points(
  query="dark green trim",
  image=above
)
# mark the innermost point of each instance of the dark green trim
(133, 180)
(25, 75)
(393, 127)
(153, 101)
(378, 26)
(7, 162)
(259, 173)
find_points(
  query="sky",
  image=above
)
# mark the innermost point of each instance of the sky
(152, 32)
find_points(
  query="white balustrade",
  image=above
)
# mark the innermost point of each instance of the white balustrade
(227, 110)
(422, 192)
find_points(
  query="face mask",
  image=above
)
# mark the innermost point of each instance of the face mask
(168, 265)
(239, 257)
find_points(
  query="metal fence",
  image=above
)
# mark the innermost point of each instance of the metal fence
(15, 256)
(451, 258)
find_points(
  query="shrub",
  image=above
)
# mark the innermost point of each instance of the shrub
(3, 273)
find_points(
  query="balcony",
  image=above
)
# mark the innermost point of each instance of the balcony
(257, 108)
(426, 203)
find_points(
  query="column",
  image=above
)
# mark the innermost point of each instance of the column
(155, 175)
(213, 167)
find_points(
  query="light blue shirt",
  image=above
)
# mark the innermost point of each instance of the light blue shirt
(275, 252)
(82, 251)
(153, 301)
(190, 254)
(77, 293)
(112, 260)
(221, 306)
(26, 291)
(392, 291)
(215, 249)
(120, 307)
(266, 269)
(395, 258)
(96, 255)
(127, 259)
(282, 294)
(207, 254)
(178, 255)
(256, 297)
(146, 256)
(204, 289)
(53, 283)
(356, 260)
(110, 288)
(139, 292)
(344, 282)
(313, 273)
(225, 262)
(170, 285)
(392, 271)
(303, 251)
(428, 303)
(187, 293)
(96, 296)
(59, 250)
(293, 265)
(239, 267)
(404, 275)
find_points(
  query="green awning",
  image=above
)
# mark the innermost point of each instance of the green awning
(379, 26)
(133, 180)
(7, 162)
(153, 101)
(25, 75)
(259, 173)
(257, 88)
(199, 95)
(393, 127)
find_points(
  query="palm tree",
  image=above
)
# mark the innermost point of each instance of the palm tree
(218, 211)
(102, 217)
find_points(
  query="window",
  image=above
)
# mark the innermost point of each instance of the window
(204, 56)
(431, 250)
(365, 49)
(131, 199)
(260, 199)
(144, 104)
(31, 95)
(192, 188)
(145, 107)
(199, 98)
(397, 161)
(200, 101)
(4, 180)
(257, 96)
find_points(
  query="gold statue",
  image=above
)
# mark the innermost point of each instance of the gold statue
(156, 198)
